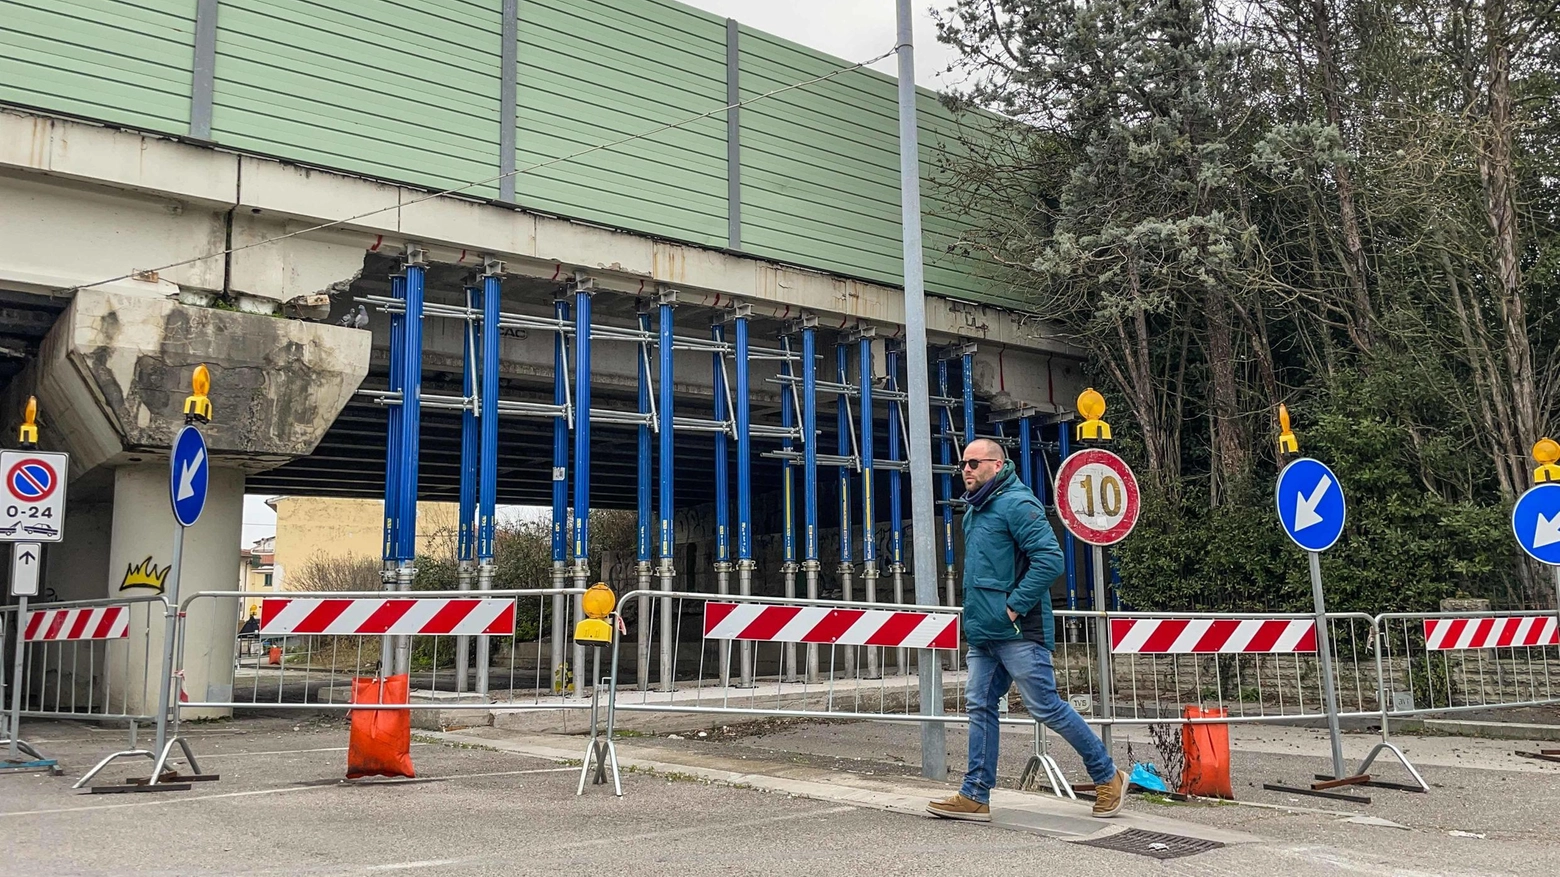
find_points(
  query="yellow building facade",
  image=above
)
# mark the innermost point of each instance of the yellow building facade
(310, 528)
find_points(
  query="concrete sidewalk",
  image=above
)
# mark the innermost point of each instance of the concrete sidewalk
(1039, 813)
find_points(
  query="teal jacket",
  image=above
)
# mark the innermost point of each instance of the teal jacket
(1011, 557)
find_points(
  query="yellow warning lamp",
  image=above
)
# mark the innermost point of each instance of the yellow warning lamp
(1546, 452)
(594, 630)
(197, 408)
(28, 434)
(1286, 437)
(1091, 406)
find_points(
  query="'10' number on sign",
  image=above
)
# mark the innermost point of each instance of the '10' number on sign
(1095, 494)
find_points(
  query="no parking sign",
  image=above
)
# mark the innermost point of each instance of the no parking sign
(32, 498)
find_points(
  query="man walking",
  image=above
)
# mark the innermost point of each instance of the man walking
(1010, 560)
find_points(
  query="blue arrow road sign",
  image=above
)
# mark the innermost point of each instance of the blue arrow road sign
(188, 475)
(1310, 504)
(1536, 523)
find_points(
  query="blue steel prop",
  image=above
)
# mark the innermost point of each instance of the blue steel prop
(643, 529)
(560, 489)
(487, 493)
(411, 418)
(810, 564)
(896, 506)
(967, 376)
(788, 495)
(411, 425)
(945, 432)
(745, 564)
(843, 427)
(470, 438)
(869, 568)
(582, 297)
(1026, 457)
(487, 463)
(722, 486)
(744, 444)
(722, 451)
(393, 415)
(1069, 548)
(470, 453)
(843, 446)
(667, 463)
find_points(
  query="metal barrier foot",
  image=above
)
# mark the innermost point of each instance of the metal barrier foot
(1058, 783)
(1402, 758)
(599, 750)
(599, 753)
(96, 769)
(39, 760)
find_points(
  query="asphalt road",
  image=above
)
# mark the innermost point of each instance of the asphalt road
(281, 808)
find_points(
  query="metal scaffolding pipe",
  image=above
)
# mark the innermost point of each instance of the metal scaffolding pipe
(668, 455)
(560, 496)
(642, 531)
(745, 564)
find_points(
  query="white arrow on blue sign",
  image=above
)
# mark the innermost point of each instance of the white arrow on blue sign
(188, 471)
(1536, 523)
(1310, 504)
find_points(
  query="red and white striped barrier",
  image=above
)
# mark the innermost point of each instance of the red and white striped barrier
(65, 625)
(1449, 634)
(375, 616)
(1220, 636)
(819, 624)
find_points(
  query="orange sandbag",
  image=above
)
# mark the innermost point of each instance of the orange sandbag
(1207, 749)
(380, 743)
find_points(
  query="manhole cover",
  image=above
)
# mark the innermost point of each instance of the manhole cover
(1153, 844)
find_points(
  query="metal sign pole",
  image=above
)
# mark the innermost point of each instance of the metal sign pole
(1102, 646)
(170, 630)
(934, 741)
(1324, 651)
(16, 678)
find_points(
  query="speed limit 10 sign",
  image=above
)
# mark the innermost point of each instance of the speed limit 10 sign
(1097, 496)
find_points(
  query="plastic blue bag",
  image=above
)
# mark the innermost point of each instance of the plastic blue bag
(1146, 777)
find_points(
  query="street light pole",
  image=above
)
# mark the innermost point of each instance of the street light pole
(934, 740)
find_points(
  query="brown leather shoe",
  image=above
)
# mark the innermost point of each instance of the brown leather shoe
(960, 807)
(1108, 797)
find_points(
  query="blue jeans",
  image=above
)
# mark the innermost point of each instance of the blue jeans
(993, 667)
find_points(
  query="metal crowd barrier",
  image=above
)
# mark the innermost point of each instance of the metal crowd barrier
(1256, 667)
(323, 640)
(758, 656)
(88, 660)
(1446, 662)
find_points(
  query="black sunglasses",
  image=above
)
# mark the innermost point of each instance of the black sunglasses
(971, 464)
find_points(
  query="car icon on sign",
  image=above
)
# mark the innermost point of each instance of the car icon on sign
(40, 530)
(9, 531)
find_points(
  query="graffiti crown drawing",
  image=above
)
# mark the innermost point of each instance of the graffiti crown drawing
(145, 574)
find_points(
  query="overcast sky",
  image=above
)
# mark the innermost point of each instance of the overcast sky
(851, 29)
